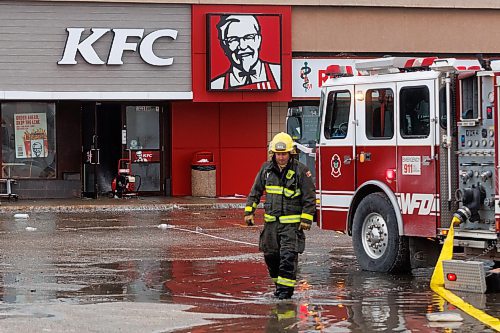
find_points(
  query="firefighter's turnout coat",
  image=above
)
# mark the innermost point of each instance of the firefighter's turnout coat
(290, 199)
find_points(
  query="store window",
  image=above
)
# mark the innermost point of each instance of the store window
(28, 140)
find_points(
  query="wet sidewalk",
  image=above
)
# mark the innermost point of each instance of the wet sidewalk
(141, 203)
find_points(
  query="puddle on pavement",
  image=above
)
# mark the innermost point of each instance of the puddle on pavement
(111, 257)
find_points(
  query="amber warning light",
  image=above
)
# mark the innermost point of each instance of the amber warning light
(451, 277)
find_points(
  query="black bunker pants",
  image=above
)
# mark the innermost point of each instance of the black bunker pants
(281, 244)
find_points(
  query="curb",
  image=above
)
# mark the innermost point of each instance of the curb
(115, 208)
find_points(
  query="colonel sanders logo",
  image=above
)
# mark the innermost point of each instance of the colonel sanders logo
(242, 38)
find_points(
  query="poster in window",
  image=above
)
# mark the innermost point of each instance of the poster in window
(244, 52)
(31, 135)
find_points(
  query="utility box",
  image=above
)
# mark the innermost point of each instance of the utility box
(203, 175)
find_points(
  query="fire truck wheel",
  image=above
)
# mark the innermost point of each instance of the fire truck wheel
(375, 236)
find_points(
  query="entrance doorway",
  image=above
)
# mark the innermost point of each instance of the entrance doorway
(113, 131)
(101, 147)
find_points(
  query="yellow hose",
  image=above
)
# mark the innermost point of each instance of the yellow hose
(437, 284)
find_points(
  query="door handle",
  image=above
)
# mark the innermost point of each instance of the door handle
(347, 159)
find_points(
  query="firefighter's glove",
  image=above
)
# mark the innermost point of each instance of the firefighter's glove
(304, 226)
(249, 220)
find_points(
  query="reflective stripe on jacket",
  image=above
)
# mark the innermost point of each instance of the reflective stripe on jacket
(290, 194)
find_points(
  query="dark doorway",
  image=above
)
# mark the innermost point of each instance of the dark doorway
(102, 123)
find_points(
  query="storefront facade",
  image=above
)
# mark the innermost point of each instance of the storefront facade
(83, 85)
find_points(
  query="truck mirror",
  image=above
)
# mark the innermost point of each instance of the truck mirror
(294, 127)
(294, 111)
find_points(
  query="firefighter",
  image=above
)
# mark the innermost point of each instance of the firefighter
(289, 209)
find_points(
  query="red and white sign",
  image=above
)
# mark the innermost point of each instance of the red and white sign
(309, 75)
(145, 156)
(244, 52)
(31, 135)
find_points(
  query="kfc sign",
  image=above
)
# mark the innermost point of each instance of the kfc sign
(244, 52)
(143, 156)
(119, 44)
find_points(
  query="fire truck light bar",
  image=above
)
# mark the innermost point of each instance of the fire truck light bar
(444, 65)
(339, 71)
(389, 65)
(495, 65)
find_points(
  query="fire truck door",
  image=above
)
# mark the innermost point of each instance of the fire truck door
(336, 157)
(375, 135)
(416, 166)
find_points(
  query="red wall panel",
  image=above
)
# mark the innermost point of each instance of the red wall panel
(243, 125)
(239, 166)
(195, 125)
(235, 132)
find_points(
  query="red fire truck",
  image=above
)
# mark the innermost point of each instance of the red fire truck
(402, 148)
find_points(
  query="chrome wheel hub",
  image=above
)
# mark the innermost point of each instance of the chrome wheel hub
(374, 235)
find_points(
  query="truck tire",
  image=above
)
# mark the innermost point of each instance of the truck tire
(375, 237)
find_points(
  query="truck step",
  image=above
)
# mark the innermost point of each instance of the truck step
(464, 276)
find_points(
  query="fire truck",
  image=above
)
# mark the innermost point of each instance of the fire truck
(403, 147)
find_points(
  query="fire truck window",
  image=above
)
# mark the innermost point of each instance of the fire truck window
(469, 98)
(379, 114)
(337, 114)
(415, 114)
(442, 108)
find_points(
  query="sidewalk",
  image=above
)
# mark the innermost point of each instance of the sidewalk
(124, 204)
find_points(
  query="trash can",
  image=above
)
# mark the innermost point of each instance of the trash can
(203, 175)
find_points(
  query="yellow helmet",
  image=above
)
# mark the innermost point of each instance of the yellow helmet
(282, 143)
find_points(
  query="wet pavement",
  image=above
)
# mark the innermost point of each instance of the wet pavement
(195, 270)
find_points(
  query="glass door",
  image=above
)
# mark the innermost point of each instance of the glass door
(90, 150)
(141, 135)
(101, 124)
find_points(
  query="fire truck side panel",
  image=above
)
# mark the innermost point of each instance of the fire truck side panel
(416, 170)
(336, 158)
(497, 160)
(476, 147)
(375, 136)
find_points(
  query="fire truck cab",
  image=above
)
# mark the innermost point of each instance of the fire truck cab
(402, 147)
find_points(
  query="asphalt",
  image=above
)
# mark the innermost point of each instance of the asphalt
(140, 203)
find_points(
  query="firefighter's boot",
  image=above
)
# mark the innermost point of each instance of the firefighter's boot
(276, 290)
(284, 292)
